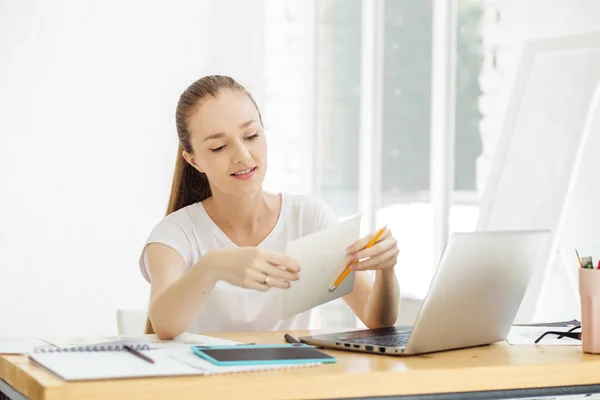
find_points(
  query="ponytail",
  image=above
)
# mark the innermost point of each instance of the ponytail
(189, 185)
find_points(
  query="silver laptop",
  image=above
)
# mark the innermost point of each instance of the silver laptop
(473, 299)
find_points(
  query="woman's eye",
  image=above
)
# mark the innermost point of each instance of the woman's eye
(252, 136)
(217, 149)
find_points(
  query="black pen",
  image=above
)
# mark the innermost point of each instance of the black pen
(290, 339)
(137, 353)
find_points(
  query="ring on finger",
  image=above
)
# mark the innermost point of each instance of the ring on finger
(266, 281)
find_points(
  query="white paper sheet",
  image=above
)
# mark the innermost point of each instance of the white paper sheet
(321, 256)
(186, 339)
(528, 335)
(20, 345)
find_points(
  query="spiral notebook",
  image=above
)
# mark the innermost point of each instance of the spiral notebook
(113, 361)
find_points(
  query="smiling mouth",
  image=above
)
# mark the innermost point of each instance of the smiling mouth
(244, 172)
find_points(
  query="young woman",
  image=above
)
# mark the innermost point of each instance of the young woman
(215, 262)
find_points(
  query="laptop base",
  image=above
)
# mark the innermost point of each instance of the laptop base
(391, 341)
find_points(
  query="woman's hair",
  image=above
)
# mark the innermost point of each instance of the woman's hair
(189, 185)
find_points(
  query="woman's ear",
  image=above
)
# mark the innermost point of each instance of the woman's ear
(192, 161)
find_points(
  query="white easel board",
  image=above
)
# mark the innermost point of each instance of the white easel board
(539, 152)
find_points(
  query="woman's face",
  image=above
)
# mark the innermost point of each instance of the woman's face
(229, 143)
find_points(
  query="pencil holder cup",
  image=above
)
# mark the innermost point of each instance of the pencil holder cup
(589, 293)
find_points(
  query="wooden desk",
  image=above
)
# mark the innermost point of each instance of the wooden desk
(488, 368)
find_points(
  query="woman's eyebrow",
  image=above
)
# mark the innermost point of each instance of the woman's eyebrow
(221, 134)
(247, 124)
(214, 136)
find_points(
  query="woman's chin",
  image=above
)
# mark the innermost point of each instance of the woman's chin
(246, 187)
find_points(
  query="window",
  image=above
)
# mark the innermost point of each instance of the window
(406, 114)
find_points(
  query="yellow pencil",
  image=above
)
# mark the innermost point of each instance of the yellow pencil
(347, 270)
(579, 258)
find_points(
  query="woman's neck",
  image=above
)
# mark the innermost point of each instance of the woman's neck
(243, 216)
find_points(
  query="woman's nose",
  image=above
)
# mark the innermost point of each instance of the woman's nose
(241, 153)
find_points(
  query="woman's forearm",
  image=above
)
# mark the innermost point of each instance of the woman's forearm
(383, 303)
(172, 310)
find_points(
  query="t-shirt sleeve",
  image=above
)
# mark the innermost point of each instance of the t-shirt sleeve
(325, 216)
(169, 233)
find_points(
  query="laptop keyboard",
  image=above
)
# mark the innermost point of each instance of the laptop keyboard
(396, 340)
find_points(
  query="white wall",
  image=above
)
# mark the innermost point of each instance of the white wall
(88, 92)
(237, 31)
(87, 142)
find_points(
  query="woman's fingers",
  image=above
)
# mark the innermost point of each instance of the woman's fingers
(277, 272)
(363, 242)
(278, 283)
(379, 248)
(254, 279)
(381, 261)
(267, 277)
(280, 260)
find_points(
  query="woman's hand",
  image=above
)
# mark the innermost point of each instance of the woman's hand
(252, 268)
(381, 256)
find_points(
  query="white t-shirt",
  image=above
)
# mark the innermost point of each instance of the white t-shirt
(228, 308)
